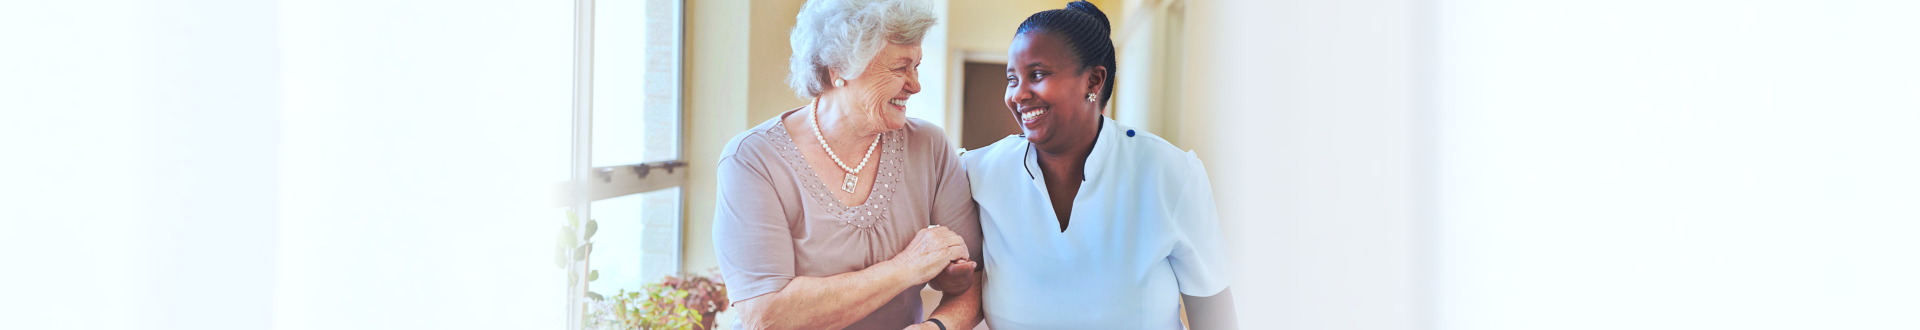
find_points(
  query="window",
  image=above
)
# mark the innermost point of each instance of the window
(626, 147)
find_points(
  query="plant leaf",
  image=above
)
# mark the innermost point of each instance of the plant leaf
(566, 238)
(592, 227)
(595, 296)
(580, 253)
(593, 276)
(560, 257)
(573, 219)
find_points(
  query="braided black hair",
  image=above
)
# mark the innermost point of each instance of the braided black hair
(1087, 32)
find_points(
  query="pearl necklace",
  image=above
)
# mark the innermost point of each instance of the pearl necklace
(853, 173)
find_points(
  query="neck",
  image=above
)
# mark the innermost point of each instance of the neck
(1068, 161)
(839, 123)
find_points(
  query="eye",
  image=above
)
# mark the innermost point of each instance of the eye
(1012, 80)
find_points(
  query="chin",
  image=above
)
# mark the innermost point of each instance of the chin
(896, 123)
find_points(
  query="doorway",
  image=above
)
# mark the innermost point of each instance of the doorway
(984, 115)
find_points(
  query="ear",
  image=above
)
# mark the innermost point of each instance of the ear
(1096, 79)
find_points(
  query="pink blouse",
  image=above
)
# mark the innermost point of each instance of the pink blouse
(775, 219)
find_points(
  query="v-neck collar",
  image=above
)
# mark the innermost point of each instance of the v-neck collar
(880, 196)
(1103, 149)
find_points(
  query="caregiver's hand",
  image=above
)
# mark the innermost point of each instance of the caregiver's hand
(931, 251)
(956, 279)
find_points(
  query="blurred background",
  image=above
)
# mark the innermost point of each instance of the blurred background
(1378, 164)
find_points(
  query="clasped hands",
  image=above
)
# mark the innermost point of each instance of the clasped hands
(941, 259)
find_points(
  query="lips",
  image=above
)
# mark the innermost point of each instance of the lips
(1029, 115)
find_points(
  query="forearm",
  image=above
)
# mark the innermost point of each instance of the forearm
(831, 302)
(1214, 312)
(962, 311)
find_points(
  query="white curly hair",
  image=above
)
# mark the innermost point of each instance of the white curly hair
(843, 35)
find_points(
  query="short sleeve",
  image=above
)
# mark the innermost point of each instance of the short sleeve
(953, 205)
(1200, 261)
(750, 231)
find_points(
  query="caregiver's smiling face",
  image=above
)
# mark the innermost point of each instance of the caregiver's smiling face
(1047, 90)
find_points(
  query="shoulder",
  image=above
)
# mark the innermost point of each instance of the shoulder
(1148, 159)
(754, 142)
(993, 153)
(921, 133)
(1150, 149)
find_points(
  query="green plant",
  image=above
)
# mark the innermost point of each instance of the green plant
(573, 245)
(705, 294)
(678, 302)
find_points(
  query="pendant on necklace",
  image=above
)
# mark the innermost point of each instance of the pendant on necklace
(853, 180)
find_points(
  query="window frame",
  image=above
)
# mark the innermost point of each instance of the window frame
(588, 183)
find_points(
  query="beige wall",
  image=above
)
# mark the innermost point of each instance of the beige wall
(736, 55)
(768, 94)
(1147, 91)
(987, 25)
(716, 94)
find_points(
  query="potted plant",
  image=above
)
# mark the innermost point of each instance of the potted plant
(686, 302)
(706, 295)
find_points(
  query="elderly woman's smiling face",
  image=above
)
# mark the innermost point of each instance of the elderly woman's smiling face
(880, 93)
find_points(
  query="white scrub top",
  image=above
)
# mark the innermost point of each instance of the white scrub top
(1142, 233)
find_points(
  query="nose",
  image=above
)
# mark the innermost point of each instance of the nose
(1017, 95)
(913, 82)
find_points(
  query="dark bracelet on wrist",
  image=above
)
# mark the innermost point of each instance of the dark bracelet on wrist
(936, 322)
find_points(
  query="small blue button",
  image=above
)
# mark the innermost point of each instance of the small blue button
(1129, 133)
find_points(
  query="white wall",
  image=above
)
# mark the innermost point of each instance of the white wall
(931, 104)
(1678, 165)
(1560, 165)
(1304, 113)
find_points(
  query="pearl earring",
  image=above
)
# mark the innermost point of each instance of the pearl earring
(1092, 97)
(837, 82)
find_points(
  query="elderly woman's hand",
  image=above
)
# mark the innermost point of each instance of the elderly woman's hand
(932, 250)
(956, 279)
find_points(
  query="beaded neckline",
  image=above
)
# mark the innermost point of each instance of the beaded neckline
(877, 207)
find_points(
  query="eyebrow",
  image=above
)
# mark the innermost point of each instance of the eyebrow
(1032, 65)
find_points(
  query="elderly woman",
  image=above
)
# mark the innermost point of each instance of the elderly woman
(835, 214)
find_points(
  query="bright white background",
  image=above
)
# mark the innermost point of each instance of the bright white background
(1677, 165)
(1475, 164)
(139, 164)
(421, 137)
(290, 164)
